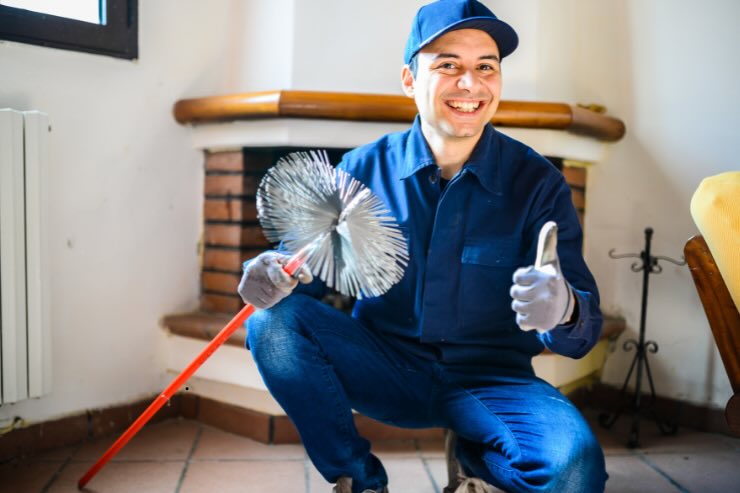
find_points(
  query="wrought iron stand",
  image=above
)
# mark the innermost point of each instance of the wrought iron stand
(649, 265)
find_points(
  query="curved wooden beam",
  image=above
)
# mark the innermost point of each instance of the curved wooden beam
(386, 108)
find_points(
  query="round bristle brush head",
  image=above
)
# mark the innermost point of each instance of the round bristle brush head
(352, 241)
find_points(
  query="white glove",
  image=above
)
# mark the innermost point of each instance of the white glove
(265, 283)
(542, 298)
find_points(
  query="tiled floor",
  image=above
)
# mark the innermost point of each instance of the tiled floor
(188, 457)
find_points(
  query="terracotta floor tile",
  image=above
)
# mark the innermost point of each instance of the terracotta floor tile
(245, 477)
(652, 442)
(438, 468)
(316, 483)
(223, 462)
(404, 476)
(734, 443)
(217, 444)
(706, 472)
(26, 476)
(170, 440)
(629, 474)
(408, 476)
(121, 477)
(614, 440)
(55, 455)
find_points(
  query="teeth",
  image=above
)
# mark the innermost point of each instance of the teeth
(466, 107)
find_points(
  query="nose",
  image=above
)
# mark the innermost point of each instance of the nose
(467, 80)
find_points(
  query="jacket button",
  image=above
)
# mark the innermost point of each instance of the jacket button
(433, 178)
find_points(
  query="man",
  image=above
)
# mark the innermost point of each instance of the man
(451, 344)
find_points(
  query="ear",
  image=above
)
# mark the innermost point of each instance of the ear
(407, 81)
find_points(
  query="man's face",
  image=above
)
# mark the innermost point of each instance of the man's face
(458, 84)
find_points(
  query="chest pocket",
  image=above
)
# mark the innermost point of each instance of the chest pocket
(485, 279)
(499, 253)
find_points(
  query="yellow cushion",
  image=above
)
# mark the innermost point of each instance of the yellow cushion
(715, 208)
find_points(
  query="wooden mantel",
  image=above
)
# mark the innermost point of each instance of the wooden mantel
(386, 108)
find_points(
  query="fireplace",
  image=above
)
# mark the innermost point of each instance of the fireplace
(243, 135)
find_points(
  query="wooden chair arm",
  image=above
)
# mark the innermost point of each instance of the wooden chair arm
(723, 317)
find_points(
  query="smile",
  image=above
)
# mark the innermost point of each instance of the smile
(464, 106)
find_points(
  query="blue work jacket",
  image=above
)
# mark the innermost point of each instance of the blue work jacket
(465, 241)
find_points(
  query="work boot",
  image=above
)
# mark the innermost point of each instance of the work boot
(472, 485)
(344, 485)
(457, 480)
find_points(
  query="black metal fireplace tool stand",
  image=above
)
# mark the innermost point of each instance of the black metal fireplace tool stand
(634, 405)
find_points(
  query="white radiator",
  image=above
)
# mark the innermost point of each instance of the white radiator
(25, 345)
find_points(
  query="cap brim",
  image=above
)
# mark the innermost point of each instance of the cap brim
(503, 34)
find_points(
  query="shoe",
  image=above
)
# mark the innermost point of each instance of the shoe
(457, 480)
(344, 485)
(473, 485)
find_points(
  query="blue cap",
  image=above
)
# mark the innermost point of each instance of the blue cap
(443, 16)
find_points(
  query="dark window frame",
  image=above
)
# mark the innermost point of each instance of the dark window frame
(117, 38)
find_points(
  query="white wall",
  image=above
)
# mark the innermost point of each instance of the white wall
(260, 45)
(354, 46)
(351, 46)
(669, 69)
(125, 198)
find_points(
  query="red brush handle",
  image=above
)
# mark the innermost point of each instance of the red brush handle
(236, 322)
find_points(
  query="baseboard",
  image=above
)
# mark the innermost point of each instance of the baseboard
(610, 399)
(278, 429)
(75, 429)
(260, 426)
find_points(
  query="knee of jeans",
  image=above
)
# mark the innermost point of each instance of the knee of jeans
(577, 467)
(273, 335)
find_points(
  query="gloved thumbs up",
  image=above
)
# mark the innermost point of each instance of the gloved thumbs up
(541, 297)
(547, 249)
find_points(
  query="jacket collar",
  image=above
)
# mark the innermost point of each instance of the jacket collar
(483, 161)
(418, 155)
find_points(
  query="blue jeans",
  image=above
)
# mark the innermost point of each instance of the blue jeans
(516, 431)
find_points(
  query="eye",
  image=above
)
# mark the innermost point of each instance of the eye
(446, 66)
(486, 67)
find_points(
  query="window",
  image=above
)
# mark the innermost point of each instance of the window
(82, 10)
(106, 27)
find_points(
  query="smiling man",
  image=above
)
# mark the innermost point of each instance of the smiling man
(456, 83)
(451, 344)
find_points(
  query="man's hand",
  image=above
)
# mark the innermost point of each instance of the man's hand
(265, 283)
(542, 298)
